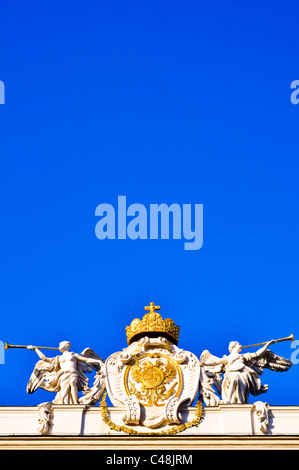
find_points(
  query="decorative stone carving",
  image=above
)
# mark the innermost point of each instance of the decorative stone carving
(156, 378)
(241, 372)
(262, 416)
(66, 375)
(152, 380)
(45, 417)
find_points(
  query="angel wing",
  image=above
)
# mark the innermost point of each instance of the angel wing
(268, 360)
(207, 357)
(44, 376)
(86, 367)
(210, 376)
(90, 395)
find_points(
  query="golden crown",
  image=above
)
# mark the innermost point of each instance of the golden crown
(152, 324)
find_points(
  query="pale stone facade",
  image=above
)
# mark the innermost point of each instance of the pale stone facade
(82, 427)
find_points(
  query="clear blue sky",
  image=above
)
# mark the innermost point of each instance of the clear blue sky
(165, 102)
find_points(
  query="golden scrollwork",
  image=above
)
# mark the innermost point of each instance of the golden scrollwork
(133, 432)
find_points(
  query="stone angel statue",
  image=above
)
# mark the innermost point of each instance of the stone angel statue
(241, 372)
(65, 374)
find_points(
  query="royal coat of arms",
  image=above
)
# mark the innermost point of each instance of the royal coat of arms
(152, 377)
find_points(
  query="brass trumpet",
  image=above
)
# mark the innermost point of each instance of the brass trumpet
(8, 346)
(288, 338)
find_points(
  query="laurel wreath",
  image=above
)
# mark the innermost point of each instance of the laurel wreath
(173, 430)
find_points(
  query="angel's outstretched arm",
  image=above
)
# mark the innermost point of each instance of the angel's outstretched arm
(260, 351)
(217, 362)
(89, 360)
(40, 354)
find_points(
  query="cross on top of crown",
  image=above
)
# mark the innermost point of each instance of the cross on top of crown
(152, 307)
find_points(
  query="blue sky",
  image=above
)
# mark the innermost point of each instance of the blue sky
(163, 102)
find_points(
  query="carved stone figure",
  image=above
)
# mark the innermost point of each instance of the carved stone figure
(241, 372)
(262, 416)
(45, 417)
(65, 374)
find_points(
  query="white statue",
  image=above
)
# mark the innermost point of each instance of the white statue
(65, 375)
(241, 372)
